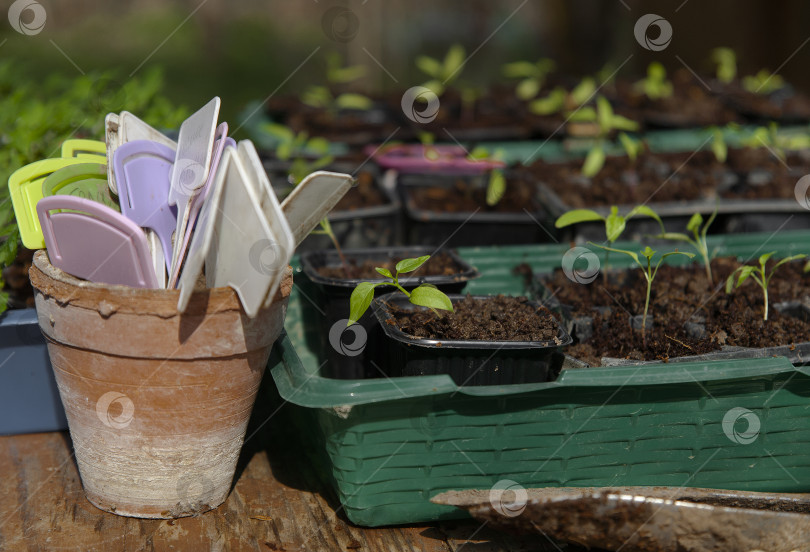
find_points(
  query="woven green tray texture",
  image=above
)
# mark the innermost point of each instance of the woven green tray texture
(394, 443)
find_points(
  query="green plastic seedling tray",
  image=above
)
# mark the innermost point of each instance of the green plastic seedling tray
(389, 445)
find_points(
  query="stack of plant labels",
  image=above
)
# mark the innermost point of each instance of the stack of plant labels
(144, 211)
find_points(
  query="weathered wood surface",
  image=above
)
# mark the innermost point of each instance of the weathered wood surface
(277, 504)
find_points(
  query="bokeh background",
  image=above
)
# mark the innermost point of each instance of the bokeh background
(250, 49)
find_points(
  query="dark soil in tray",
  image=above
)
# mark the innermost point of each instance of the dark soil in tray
(765, 175)
(652, 177)
(362, 195)
(440, 264)
(465, 196)
(690, 105)
(784, 105)
(498, 318)
(681, 295)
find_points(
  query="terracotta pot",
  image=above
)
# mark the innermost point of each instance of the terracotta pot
(157, 402)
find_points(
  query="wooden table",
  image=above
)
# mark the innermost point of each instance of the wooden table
(277, 504)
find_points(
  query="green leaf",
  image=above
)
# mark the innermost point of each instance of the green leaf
(385, 272)
(435, 86)
(719, 146)
(575, 216)
(553, 103)
(479, 153)
(745, 272)
(409, 265)
(674, 236)
(583, 91)
(318, 145)
(646, 211)
(453, 61)
(764, 258)
(353, 101)
(496, 187)
(585, 114)
(604, 114)
(617, 122)
(648, 252)
(676, 252)
(431, 297)
(631, 147)
(344, 75)
(519, 69)
(787, 260)
(694, 223)
(614, 226)
(527, 89)
(431, 67)
(361, 298)
(726, 61)
(594, 161)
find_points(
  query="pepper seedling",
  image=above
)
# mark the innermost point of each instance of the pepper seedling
(532, 75)
(759, 276)
(496, 186)
(426, 295)
(443, 72)
(336, 74)
(607, 122)
(558, 100)
(699, 230)
(719, 145)
(632, 147)
(655, 86)
(648, 271)
(614, 223)
(764, 82)
(726, 61)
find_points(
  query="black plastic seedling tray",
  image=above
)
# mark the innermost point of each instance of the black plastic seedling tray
(466, 362)
(331, 295)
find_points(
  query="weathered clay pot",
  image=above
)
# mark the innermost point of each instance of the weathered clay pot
(157, 402)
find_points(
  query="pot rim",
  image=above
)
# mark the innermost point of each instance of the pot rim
(50, 281)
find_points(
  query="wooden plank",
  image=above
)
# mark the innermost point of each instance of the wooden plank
(277, 504)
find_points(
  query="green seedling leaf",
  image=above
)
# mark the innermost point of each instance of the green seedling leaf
(631, 147)
(431, 297)
(478, 154)
(594, 161)
(431, 67)
(719, 146)
(361, 298)
(575, 216)
(583, 91)
(519, 69)
(604, 114)
(318, 145)
(527, 89)
(648, 252)
(726, 61)
(385, 272)
(614, 225)
(585, 114)
(553, 103)
(435, 86)
(787, 260)
(344, 75)
(694, 223)
(617, 122)
(673, 236)
(409, 265)
(744, 273)
(764, 257)
(496, 187)
(453, 61)
(353, 101)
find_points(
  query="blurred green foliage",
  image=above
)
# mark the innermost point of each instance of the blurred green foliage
(36, 116)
